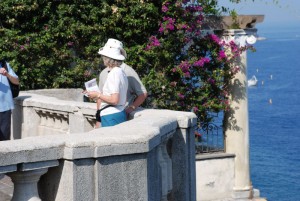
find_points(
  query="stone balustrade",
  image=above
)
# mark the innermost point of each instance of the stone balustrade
(52, 111)
(150, 157)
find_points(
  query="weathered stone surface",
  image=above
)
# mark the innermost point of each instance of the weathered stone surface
(228, 22)
(126, 162)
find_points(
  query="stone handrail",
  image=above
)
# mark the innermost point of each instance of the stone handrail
(150, 157)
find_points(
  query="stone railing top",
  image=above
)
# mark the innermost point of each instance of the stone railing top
(64, 100)
(62, 94)
(139, 135)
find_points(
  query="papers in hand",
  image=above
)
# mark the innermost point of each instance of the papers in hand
(91, 85)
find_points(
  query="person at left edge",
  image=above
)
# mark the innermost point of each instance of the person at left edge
(6, 99)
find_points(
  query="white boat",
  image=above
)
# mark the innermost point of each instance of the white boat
(252, 81)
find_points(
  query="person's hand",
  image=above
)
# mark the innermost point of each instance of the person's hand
(129, 109)
(3, 71)
(84, 92)
(93, 94)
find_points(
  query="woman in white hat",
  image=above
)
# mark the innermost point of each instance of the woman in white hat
(136, 93)
(113, 96)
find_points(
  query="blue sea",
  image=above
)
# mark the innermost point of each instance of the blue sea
(274, 113)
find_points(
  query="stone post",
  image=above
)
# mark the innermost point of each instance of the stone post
(236, 121)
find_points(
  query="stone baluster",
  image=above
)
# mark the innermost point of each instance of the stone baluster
(166, 170)
(50, 119)
(43, 118)
(26, 178)
(25, 184)
(57, 118)
(65, 124)
(236, 121)
(169, 166)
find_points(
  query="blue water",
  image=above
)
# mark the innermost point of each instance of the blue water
(275, 126)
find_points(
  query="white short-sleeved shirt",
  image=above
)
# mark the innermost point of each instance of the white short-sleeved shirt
(116, 82)
(135, 85)
(6, 99)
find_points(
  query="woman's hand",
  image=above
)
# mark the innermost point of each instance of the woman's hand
(93, 94)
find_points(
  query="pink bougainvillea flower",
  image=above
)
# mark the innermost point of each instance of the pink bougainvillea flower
(195, 109)
(221, 55)
(187, 74)
(211, 81)
(164, 9)
(184, 66)
(153, 42)
(181, 96)
(202, 61)
(215, 38)
(70, 43)
(161, 28)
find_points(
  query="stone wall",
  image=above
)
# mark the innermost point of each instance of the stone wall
(214, 176)
(150, 157)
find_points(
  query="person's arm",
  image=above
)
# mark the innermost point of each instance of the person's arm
(13, 79)
(136, 86)
(137, 102)
(113, 99)
(98, 103)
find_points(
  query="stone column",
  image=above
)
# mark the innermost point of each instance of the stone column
(236, 121)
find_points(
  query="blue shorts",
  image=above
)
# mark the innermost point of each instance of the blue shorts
(113, 119)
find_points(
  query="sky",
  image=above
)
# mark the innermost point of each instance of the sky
(283, 13)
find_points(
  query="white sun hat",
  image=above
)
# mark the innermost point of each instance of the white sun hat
(111, 52)
(111, 42)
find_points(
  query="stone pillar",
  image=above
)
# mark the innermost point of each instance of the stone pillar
(236, 120)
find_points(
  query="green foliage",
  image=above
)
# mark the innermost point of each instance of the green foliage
(54, 44)
(234, 16)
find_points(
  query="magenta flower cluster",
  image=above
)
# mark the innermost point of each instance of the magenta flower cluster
(195, 66)
(181, 96)
(215, 38)
(153, 42)
(221, 55)
(202, 61)
(168, 24)
(184, 66)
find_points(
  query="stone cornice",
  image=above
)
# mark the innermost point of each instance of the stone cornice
(229, 22)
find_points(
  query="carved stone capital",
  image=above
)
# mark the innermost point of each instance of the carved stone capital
(241, 37)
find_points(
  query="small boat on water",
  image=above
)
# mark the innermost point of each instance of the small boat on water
(252, 81)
